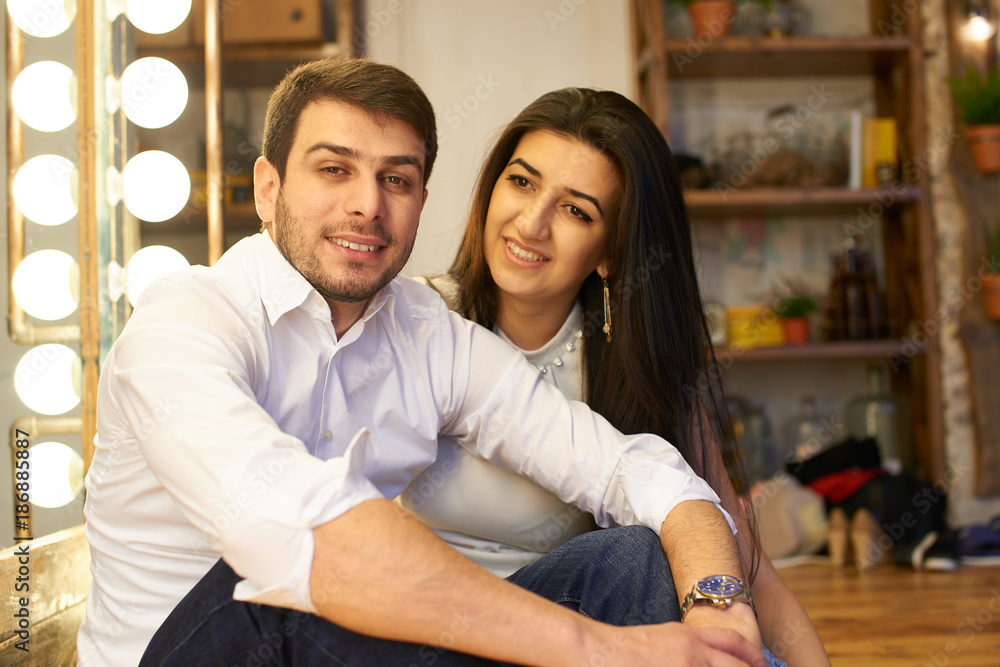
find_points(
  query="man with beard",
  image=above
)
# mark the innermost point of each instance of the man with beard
(256, 418)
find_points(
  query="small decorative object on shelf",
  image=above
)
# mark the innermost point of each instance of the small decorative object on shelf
(794, 302)
(787, 17)
(856, 306)
(991, 274)
(977, 98)
(712, 18)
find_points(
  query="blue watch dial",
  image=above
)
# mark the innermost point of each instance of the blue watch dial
(720, 586)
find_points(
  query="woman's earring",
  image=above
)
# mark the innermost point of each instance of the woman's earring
(607, 309)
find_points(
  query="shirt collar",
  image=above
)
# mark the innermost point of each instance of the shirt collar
(284, 289)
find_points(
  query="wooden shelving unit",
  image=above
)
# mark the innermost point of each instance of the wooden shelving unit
(892, 57)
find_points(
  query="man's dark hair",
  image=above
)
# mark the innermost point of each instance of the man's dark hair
(380, 90)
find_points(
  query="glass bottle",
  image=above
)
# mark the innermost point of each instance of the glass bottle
(884, 416)
(835, 300)
(752, 430)
(874, 303)
(807, 433)
(855, 301)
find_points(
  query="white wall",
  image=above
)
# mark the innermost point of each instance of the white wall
(481, 62)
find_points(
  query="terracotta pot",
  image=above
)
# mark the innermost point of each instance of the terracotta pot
(796, 330)
(984, 142)
(712, 18)
(991, 295)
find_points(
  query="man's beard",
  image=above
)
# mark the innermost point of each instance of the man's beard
(350, 285)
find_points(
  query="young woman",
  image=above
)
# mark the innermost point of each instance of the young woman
(578, 252)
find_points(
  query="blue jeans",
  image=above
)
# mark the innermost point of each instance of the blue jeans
(618, 576)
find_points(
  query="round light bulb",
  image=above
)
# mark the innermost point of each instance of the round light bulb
(47, 379)
(44, 189)
(47, 284)
(56, 474)
(148, 264)
(978, 29)
(155, 186)
(44, 96)
(42, 18)
(154, 92)
(156, 16)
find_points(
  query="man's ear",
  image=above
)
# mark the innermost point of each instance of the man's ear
(265, 188)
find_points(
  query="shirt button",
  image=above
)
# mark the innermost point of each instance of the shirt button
(327, 434)
(319, 301)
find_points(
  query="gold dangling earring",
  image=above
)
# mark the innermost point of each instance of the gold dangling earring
(607, 309)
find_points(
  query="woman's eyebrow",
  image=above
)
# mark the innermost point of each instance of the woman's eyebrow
(531, 170)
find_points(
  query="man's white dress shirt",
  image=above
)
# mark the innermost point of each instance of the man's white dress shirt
(232, 421)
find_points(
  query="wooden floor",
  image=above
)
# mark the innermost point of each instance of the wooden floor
(897, 617)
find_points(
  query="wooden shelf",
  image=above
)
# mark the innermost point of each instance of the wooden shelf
(741, 57)
(869, 349)
(715, 203)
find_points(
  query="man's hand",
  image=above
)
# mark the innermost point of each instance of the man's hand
(672, 644)
(739, 617)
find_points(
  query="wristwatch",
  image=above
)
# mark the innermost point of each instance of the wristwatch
(719, 590)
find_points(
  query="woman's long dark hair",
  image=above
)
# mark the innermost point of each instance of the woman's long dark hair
(658, 373)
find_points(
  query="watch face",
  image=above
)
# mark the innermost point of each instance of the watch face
(720, 586)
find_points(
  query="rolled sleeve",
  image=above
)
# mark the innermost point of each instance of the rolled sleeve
(273, 547)
(653, 489)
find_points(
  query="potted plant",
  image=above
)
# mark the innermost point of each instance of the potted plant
(977, 97)
(712, 18)
(794, 302)
(991, 274)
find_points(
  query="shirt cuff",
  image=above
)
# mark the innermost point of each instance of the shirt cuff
(653, 489)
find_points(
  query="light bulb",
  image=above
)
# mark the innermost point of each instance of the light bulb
(156, 16)
(47, 379)
(154, 92)
(155, 186)
(977, 27)
(46, 284)
(44, 96)
(44, 189)
(56, 474)
(42, 18)
(148, 264)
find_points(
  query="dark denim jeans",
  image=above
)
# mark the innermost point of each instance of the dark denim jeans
(619, 576)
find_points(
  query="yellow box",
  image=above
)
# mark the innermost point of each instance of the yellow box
(753, 326)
